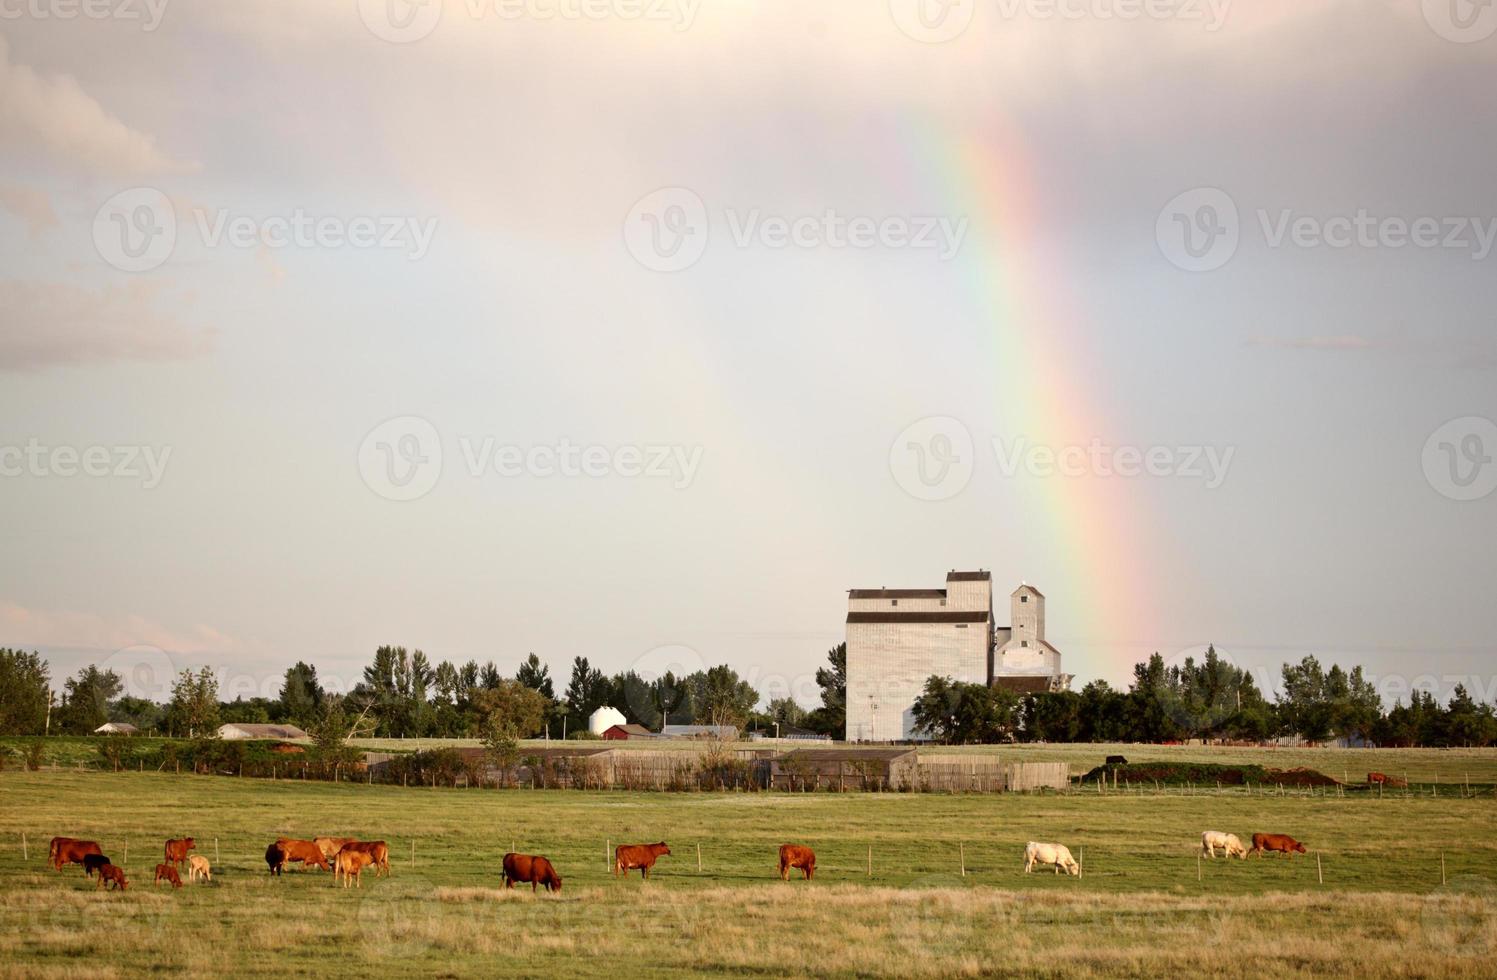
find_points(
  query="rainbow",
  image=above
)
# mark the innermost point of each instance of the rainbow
(1094, 527)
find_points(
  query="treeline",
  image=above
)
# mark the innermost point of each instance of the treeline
(402, 694)
(1210, 699)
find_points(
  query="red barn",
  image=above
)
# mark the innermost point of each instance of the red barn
(620, 733)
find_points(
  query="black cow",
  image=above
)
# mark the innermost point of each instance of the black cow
(1116, 760)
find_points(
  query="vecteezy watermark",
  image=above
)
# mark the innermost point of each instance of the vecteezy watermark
(669, 229)
(936, 21)
(933, 459)
(1096, 458)
(932, 21)
(401, 459)
(404, 21)
(144, 463)
(1460, 918)
(147, 12)
(1461, 21)
(136, 230)
(1200, 230)
(1458, 458)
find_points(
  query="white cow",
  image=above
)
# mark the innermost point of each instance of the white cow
(1212, 839)
(1056, 854)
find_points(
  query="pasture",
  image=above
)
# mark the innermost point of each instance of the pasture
(1139, 909)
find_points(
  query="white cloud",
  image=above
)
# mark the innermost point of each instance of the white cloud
(53, 118)
(27, 627)
(49, 324)
(31, 205)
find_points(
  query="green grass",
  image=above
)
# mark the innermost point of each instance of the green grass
(1139, 909)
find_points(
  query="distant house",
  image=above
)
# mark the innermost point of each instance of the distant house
(604, 718)
(243, 731)
(621, 733)
(728, 733)
(116, 728)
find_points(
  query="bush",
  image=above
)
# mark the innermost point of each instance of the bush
(112, 752)
(34, 755)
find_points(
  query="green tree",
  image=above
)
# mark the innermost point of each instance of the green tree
(193, 710)
(301, 695)
(536, 676)
(786, 712)
(720, 697)
(587, 691)
(512, 706)
(24, 693)
(831, 717)
(85, 700)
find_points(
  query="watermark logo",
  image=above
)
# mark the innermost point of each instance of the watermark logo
(1208, 464)
(1458, 458)
(675, 661)
(145, 672)
(565, 458)
(933, 459)
(401, 458)
(35, 459)
(1461, 21)
(936, 913)
(136, 230)
(148, 12)
(400, 21)
(932, 21)
(1199, 230)
(667, 230)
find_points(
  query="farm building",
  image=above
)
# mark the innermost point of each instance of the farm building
(620, 733)
(728, 733)
(898, 638)
(847, 768)
(116, 728)
(605, 718)
(244, 731)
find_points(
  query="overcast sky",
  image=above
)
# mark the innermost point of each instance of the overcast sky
(643, 329)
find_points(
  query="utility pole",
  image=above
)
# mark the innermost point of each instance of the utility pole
(48, 729)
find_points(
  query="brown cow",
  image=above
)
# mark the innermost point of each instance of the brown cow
(349, 863)
(1382, 779)
(301, 850)
(642, 856)
(330, 846)
(93, 862)
(109, 873)
(796, 856)
(176, 850)
(532, 868)
(1282, 843)
(66, 850)
(276, 858)
(168, 873)
(377, 850)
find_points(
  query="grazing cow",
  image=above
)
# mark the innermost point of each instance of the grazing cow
(198, 867)
(176, 851)
(275, 858)
(331, 845)
(168, 873)
(93, 862)
(1382, 779)
(377, 850)
(349, 863)
(1231, 843)
(66, 850)
(1282, 843)
(1116, 760)
(301, 850)
(113, 875)
(532, 868)
(796, 856)
(1056, 854)
(642, 856)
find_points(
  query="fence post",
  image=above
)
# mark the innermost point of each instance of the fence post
(413, 852)
(699, 857)
(1198, 865)
(1081, 864)
(24, 855)
(1442, 869)
(216, 860)
(127, 855)
(870, 860)
(607, 853)
(961, 850)
(1319, 873)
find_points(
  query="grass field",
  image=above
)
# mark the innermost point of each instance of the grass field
(1139, 909)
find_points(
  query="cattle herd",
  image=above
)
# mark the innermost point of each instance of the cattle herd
(347, 858)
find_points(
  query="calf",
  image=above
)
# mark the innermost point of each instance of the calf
(1282, 843)
(626, 857)
(167, 872)
(275, 858)
(532, 868)
(198, 867)
(350, 864)
(112, 875)
(1231, 843)
(378, 851)
(1056, 854)
(797, 856)
(93, 862)
(330, 846)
